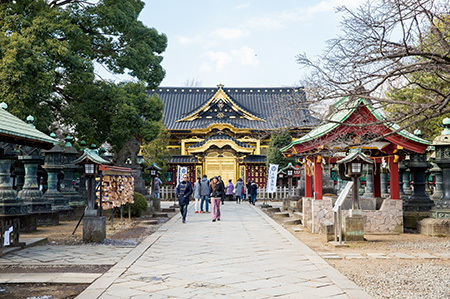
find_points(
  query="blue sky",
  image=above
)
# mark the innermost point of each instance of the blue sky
(241, 43)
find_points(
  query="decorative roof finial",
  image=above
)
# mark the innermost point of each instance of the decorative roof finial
(220, 86)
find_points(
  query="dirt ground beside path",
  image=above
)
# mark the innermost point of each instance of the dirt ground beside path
(123, 232)
(390, 277)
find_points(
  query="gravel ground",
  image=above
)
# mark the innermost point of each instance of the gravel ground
(394, 277)
(412, 279)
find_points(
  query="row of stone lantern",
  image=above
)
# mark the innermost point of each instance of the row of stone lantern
(48, 208)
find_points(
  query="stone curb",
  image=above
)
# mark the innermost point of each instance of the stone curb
(96, 289)
(342, 282)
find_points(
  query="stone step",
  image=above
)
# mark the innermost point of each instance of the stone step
(160, 215)
(273, 210)
(281, 214)
(297, 215)
(168, 210)
(292, 222)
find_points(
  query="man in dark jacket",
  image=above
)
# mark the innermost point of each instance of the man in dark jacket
(184, 191)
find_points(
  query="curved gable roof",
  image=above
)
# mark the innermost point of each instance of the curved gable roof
(254, 108)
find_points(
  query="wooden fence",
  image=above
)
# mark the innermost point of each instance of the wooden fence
(168, 193)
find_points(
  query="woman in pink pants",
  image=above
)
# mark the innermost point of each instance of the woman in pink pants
(216, 196)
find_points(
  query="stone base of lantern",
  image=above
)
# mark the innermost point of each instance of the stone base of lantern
(28, 223)
(354, 226)
(46, 218)
(435, 227)
(412, 218)
(94, 229)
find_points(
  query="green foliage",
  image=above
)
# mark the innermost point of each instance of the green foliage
(427, 86)
(47, 55)
(419, 95)
(140, 205)
(156, 151)
(278, 140)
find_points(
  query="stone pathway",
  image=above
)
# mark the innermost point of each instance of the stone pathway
(67, 255)
(246, 255)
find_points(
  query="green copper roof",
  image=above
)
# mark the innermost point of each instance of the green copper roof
(18, 131)
(92, 155)
(355, 154)
(343, 110)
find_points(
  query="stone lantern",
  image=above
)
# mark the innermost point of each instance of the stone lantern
(154, 171)
(353, 164)
(94, 226)
(289, 170)
(53, 166)
(68, 191)
(419, 202)
(442, 148)
(353, 168)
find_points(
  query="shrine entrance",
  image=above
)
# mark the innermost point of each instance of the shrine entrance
(223, 165)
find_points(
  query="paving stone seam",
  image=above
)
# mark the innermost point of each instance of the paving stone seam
(101, 284)
(342, 282)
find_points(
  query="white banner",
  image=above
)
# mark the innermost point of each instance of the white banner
(180, 172)
(272, 179)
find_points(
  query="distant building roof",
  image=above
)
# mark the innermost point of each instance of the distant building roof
(15, 130)
(254, 108)
(177, 159)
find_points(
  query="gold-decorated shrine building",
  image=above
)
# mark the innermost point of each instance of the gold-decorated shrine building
(226, 131)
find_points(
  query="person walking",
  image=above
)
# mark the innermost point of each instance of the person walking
(219, 178)
(197, 195)
(239, 188)
(217, 192)
(253, 192)
(157, 185)
(184, 191)
(230, 189)
(204, 192)
(249, 184)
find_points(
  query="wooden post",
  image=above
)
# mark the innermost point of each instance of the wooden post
(308, 185)
(377, 180)
(318, 191)
(394, 183)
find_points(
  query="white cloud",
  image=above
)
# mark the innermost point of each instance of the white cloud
(230, 33)
(221, 59)
(246, 56)
(205, 67)
(242, 6)
(280, 20)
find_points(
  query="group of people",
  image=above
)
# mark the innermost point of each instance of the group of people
(212, 191)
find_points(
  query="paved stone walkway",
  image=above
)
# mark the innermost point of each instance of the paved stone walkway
(246, 255)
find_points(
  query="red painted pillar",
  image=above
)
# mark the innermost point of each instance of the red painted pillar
(377, 180)
(308, 185)
(318, 192)
(394, 182)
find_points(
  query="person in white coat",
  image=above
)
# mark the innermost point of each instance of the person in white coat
(197, 195)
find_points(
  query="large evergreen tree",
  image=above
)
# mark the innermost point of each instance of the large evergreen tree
(47, 55)
(278, 140)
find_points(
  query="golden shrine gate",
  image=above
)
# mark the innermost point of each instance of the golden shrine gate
(226, 131)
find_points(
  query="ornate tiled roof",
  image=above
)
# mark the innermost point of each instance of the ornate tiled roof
(220, 136)
(344, 109)
(245, 108)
